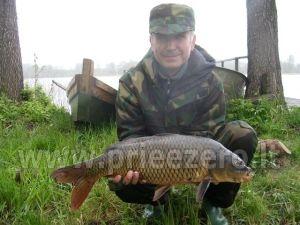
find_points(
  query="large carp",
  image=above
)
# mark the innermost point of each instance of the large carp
(164, 160)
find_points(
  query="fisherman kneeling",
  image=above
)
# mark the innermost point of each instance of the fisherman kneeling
(174, 89)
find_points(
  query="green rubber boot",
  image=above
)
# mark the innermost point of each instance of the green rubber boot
(211, 213)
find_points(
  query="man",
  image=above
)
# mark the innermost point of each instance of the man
(174, 89)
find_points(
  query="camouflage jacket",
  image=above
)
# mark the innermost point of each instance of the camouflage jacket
(148, 104)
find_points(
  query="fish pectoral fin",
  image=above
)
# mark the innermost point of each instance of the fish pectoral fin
(159, 192)
(201, 190)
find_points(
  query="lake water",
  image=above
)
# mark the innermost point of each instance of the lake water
(291, 85)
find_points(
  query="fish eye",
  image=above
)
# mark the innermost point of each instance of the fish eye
(238, 163)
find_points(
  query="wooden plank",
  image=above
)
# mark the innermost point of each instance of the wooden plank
(75, 87)
(104, 96)
(105, 87)
(103, 91)
(87, 75)
(88, 67)
(73, 82)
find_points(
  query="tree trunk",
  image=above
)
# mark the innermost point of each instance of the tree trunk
(11, 74)
(264, 72)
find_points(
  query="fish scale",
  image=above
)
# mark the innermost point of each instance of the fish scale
(163, 160)
(163, 144)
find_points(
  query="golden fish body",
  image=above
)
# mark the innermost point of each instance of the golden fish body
(164, 160)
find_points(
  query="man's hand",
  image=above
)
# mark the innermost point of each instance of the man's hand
(273, 145)
(132, 177)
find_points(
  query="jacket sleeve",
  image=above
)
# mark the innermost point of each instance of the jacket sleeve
(129, 117)
(216, 106)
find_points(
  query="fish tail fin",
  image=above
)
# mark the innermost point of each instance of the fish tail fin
(82, 183)
(81, 190)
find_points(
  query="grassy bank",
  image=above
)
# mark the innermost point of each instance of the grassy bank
(36, 137)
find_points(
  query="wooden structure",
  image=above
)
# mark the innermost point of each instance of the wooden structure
(91, 100)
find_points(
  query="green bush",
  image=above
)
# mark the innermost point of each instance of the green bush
(265, 116)
(27, 93)
(293, 118)
(36, 107)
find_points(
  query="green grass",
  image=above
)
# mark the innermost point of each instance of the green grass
(33, 143)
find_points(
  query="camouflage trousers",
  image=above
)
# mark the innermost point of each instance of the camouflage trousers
(237, 136)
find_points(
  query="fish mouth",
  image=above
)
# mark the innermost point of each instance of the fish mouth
(248, 176)
(245, 174)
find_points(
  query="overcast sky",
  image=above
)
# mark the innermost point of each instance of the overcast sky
(63, 32)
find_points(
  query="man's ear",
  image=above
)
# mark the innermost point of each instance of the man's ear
(193, 41)
(151, 40)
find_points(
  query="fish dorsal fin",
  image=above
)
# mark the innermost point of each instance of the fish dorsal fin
(159, 192)
(201, 189)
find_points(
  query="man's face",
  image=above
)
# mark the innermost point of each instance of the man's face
(172, 51)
